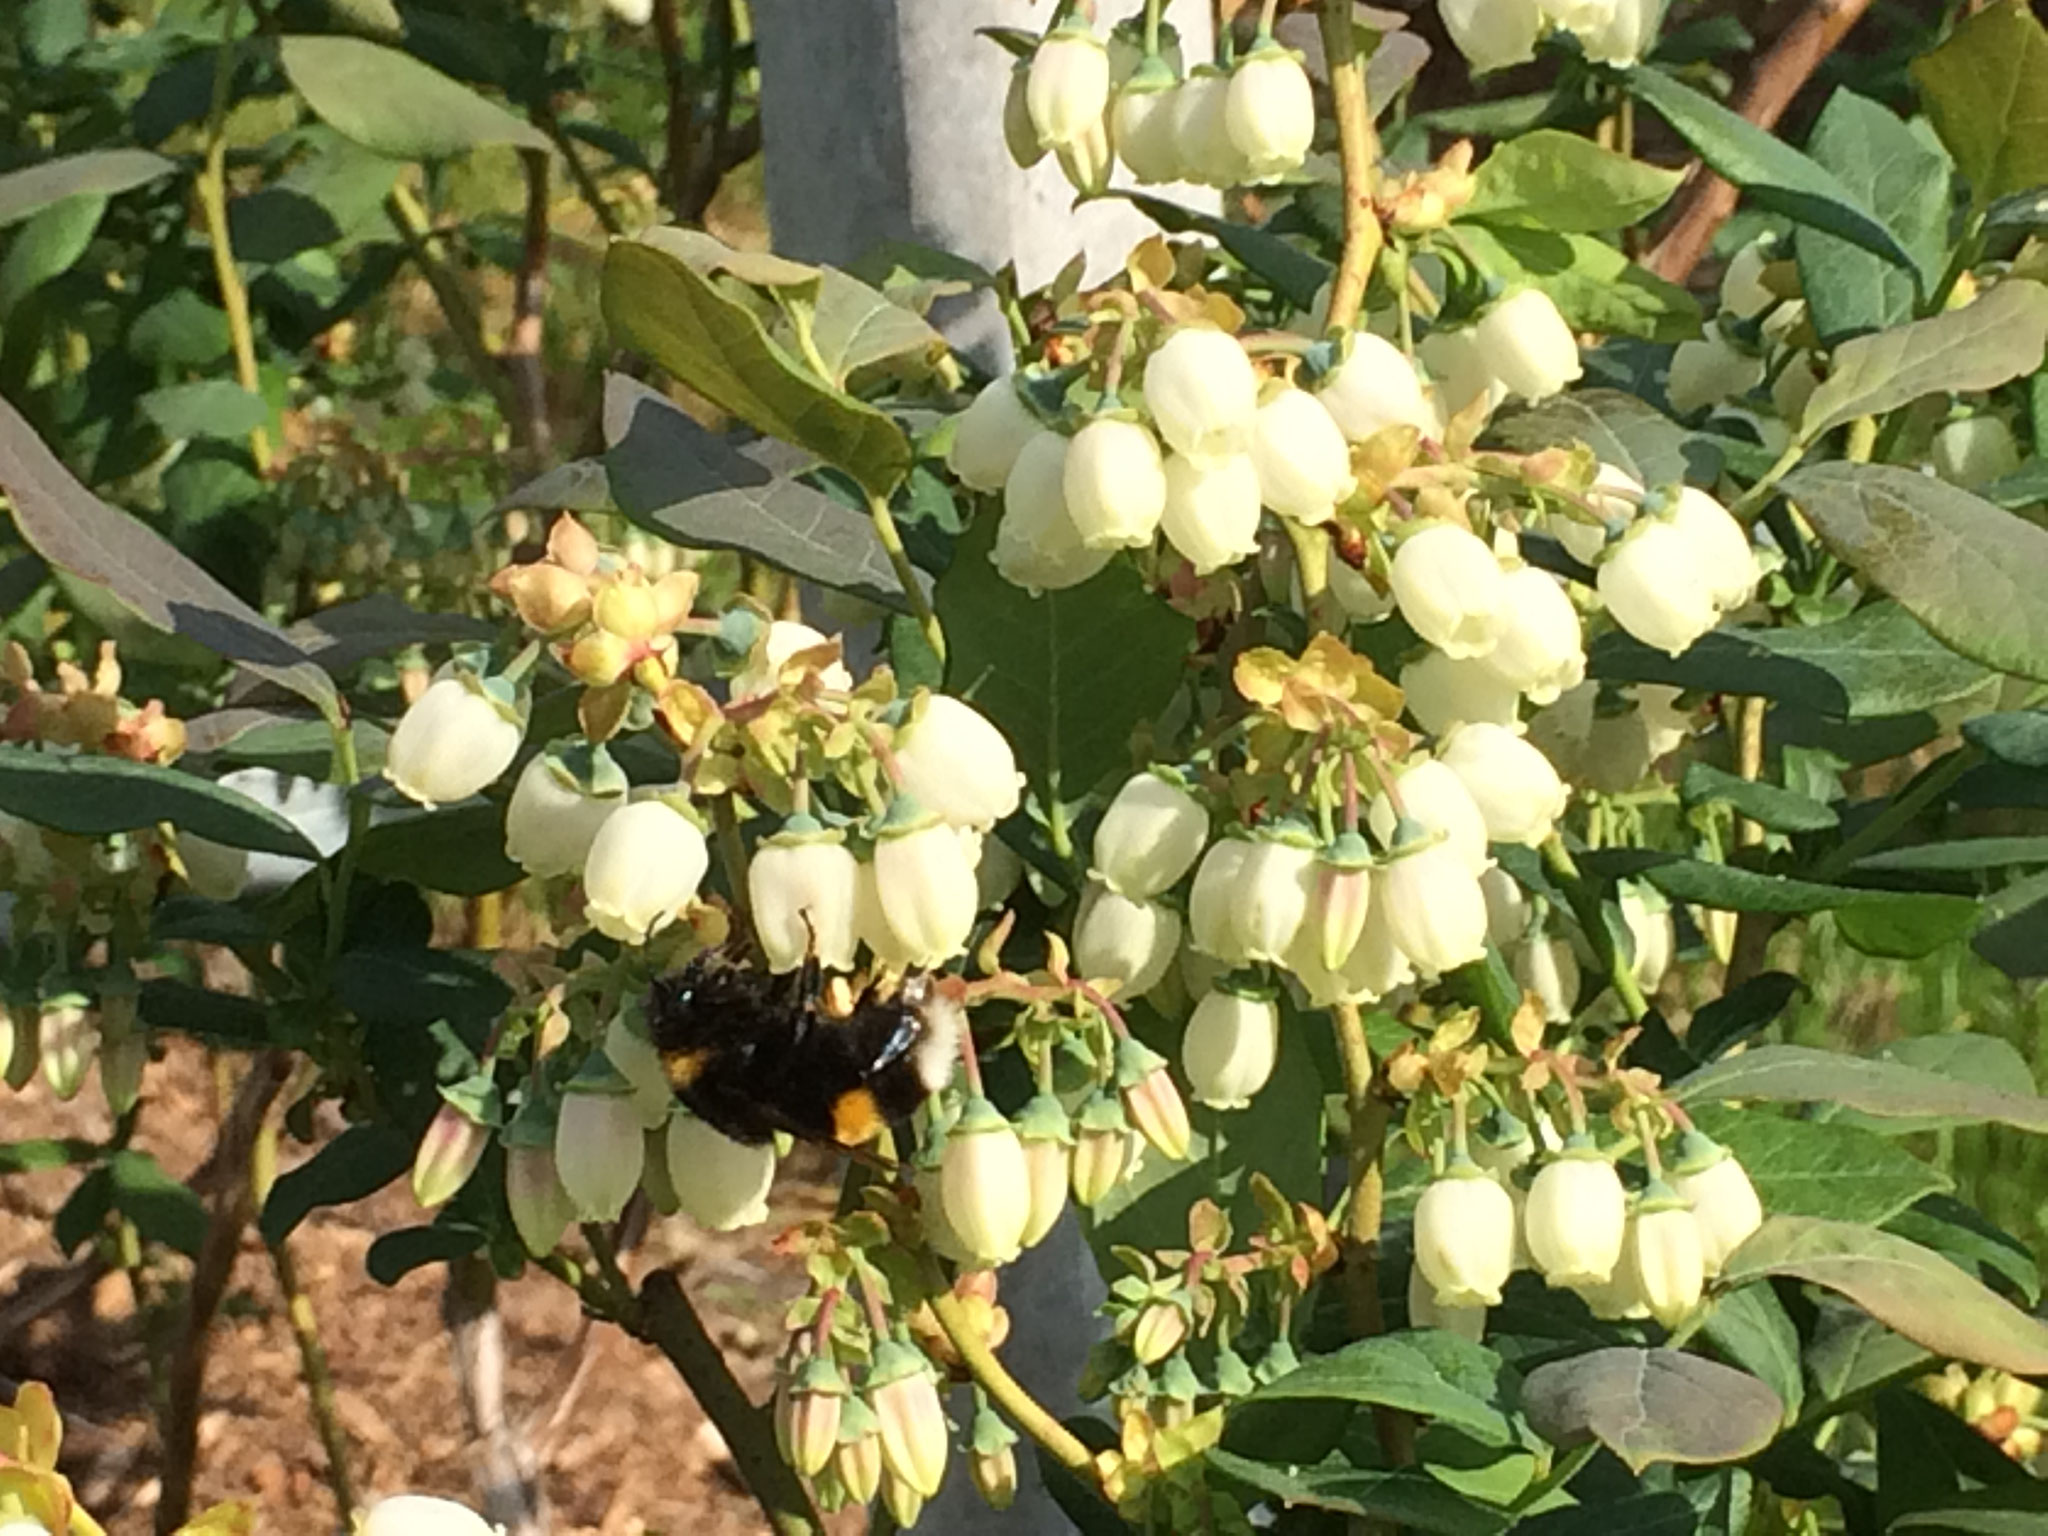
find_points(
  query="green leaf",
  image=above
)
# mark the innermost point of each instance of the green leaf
(1594, 285)
(77, 532)
(48, 246)
(43, 1153)
(204, 408)
(1964, 1237)
(662, 306)
(394, 1255)
(2019, 736)
(686, 484)
(1909, 1289)
(1066, 675)
(1959, 1055)
(1824, 1167)
(358, 1162)
(96, 796)
(1775, 176)
(163, 1210)
(856, 327)
(2000, 336)
(1976, 576)
(2015, 1509)
(460, 851)
(1769, 805)
(1852, 1353)
(1903, 177)
(348, 633)
(1965, 853)
(1801, 1074)
(1410, 1499)
(1749, 1328)
(218, 1018)
(1652, 1405)
(1986, 89)
(1631, 434)
(1296, 275)
(1635, 1514)
(388, 101)
(97, 172)
(1432, 1373)
(1563, 182)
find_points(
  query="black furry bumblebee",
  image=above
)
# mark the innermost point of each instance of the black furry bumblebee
(752, 1054)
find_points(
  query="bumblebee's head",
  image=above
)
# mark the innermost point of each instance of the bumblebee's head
(938, 1042)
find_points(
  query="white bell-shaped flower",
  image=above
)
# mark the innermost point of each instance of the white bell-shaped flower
(1432, 904)
(1708, 370)
(1435, 799)
(802, 884)
(1541, 649)
(1721, 548)
(1576, 1216)
(1724, 1202)
(1269, 111)
(643, 869)
(1362, 602)
(1547, 968)
(1374, 388)
(1067, 89)
(1507, 907)
(1373, 970)
(1212, 510)
(600, 1145)
(1665, 1257)
(1443, 692)
(541, 1209)
(924, 884)
(956, 762)
(988, 436)
(555, 813)
(1273, 889)
(1614, 495)
(1133, 941)
(1450, 589)
(416, 1514)
(1457, 365)
(985, 1184)
(1654, 585)
(1626, 35)
(720, 1184)
(1303, 461)
(1142, 123)
(452, 741)
(1150, 836)
(1975, 451)
(1492, 34)
(1518, 793)
(1465, 1236)
(1115, 484)
(1229, 1047)
(1202, 392)
(1212, 902)
(1038, 544)
(1528, 346)
(1201, 125)
(1647, 916)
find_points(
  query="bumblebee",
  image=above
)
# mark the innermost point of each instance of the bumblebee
(752, 1054)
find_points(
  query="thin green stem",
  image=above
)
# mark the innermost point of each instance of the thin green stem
(211, 186)
(906, 573)
(1562, 1471)
(732, 853)
(1312, 565)
(1895, 817)
(1357, 157)
(1024, 1410)
(1751, 501)
(1585, 905)
(1153, 9)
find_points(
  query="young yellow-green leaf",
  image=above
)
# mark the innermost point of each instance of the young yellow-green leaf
(388, 101)
(1595, 286)
(1987, 90)
(1980, 346)
(48, 246)
(1911, 1290)
(1560, 181)
(104, 172)
(1431, 1373)
(1974, 574)
(1652, 1405)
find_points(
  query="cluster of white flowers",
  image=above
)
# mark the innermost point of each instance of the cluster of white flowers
(1251, 123)
(1573, 1221)
(1494, 34)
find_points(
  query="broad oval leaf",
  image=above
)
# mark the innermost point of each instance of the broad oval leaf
(1980, 346)
(1911, 1290)
(1594, 285)
(2019, 736)
(1432, 1373)
(1749, 1328)
(1631, 434)
(388, 101)
(1801, 1074)
(1768, 805)
(104, 172)
(1987, 90)
(96, 796)
(1560, 181)
(358, 1162)
(48, 246)
(204, 408)
(1652, 1405)
(1823, 1167)
(1975, 575)
(459, 850)
(1296, 275)
(1411, 1499)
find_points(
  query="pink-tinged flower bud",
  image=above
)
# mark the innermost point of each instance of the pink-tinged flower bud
(1373, 969)
(1067, 89)
(1133, 942)
(1576, 1216)
(1721, 547)
(720, 1184)
(1302, 459)
(1212, 903)
(67, 1039)
(599, 1144)
(1161, 1329)
(1724, 1202)
(988, 436)
(1465, 1236)
(448, 1154)
(1708, 370)
(1654, 585)
(1541, 650)
(541, 1209)
(802, 884)
(1443, 693)
(557, 807)
(1142, 123)
(1229, 1047)
(1047, 1136)
(1150, 836)
(985, 1184)
(1424, 1311)
(1274, 885)
(1528, 346)
(924, 884)
(1450, 589)
(1432, 905)
(1151, 1102)
(857, 1458)
(903, 1391)
(1492, 34)
(644, 867)
(776, 648)
(1664, 1254)
(1102, 1149)
(992, 1462)
(1547, 968)
(1374, 388)
(1038, 543)
(1114, 483)
(1437, 800)
(816, 1398)
(1269, 111)
(956, 762)
(904, 1503)
(1975, 451)
(601, 658)
(1201, 392)
(453, 740)
(546, 597)
(1516, 791)
(415, 1514)
(1340, 899)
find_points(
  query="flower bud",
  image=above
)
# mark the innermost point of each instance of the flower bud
(816, 1399)
(67, 1039)
(1457, 365)
(1067, 89)
(909, 1416)
(904, 1503)
(1102, 1148)
(123, 1059)
(993, 1460)
(415, 1514)
(541, 1209)
(801, 885)
(644, 867)
(1721, 549)
(1374, 388)
(988, 436)
(1467, 1322)
(1709, 370)
(720, 1184)
(1201, 126)
(213, 870)
(1038, 544)
(1724, 1202)
(1518, 794)
(1465, 1236)
(1211, 516)
(1269, 110)
(448, 1154)
(1143, 121)
(1150, 836)
(1443, 693)
(924, 884)
(985, 1184)
(1528, 346)
(1303, 462)
(600, 658)
(1202, 393)
(1114, 483)
(1576, 1216)
(1229, 1047)
(1665, 1256)
(1161, 1329)
(1507, 907)
(1541, 650)
(1652, 584)
(1975, 451)
(555, 812)
(1647, 916)
(1450, 589)
(1374, 967)
(1430, 899)
(1548, 968)
(1437, 800)
(599, 1147)
(1624, 36)
(857, 1458)
(1492, 34)
(1212, 901)
(452, 741)
(1340, 899)
(546, 596)
(1151, 1102)
(1132, 941)
(1048, 1140)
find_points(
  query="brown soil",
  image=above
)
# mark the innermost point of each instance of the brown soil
(626, 1451)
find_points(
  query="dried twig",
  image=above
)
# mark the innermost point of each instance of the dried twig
(530, 424)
